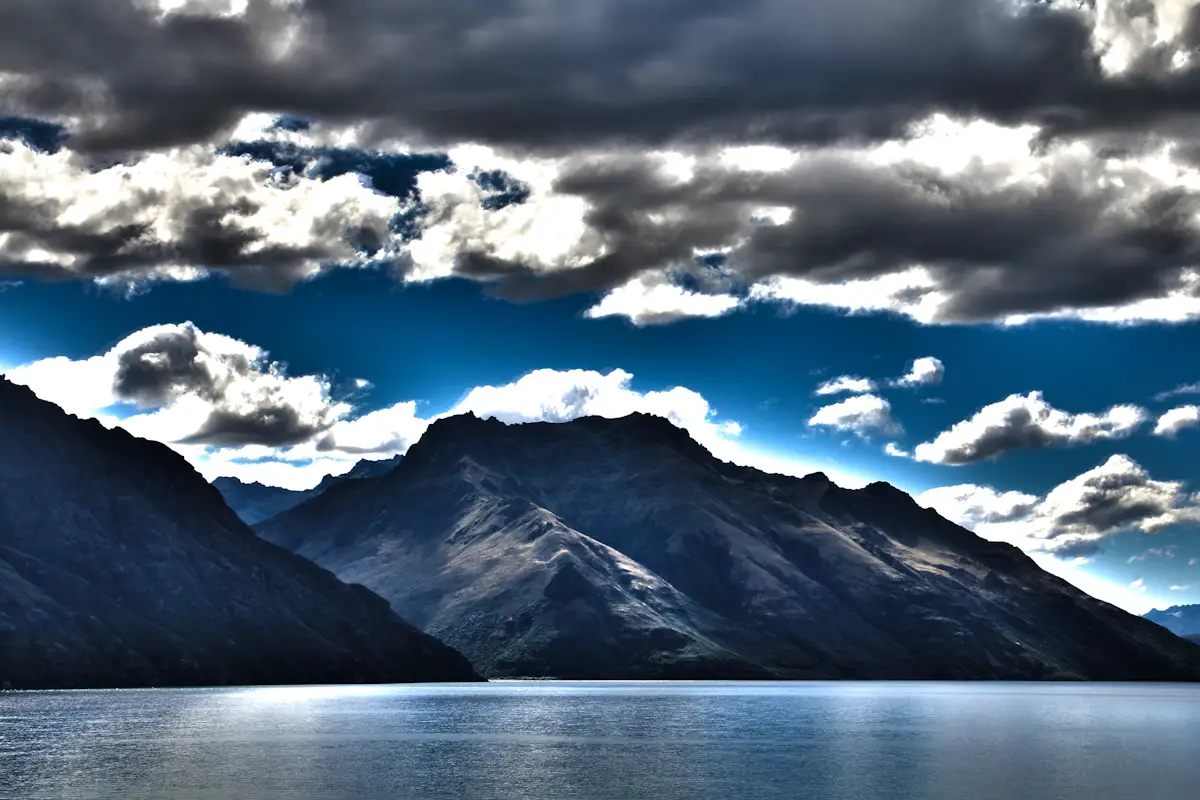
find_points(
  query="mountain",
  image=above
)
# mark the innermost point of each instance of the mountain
(255, 502)
(604, 548)
(120, 566)
(1181, 620)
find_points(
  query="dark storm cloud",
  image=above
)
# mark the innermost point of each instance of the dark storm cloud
(207, 232)
(155, 372)
(993, 246)
(565, 76)
(269, 426)
(249, 401)
(564, 73)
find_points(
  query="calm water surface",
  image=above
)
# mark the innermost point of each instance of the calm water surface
(608, 740)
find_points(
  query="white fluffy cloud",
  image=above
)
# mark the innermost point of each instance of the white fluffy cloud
(846, 384)
(654, 300)
(1176, 420)
(1025, 421)
(973, 506)
(1074, 517)
(862, 414)
(925, 371)
(548, 395)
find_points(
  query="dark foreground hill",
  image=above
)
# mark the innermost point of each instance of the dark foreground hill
(254, 502)
(622, 549)
(120, 566)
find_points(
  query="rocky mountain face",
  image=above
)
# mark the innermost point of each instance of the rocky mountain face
(120, 566)
(1181, 620)
(622, 549)
(254, 502)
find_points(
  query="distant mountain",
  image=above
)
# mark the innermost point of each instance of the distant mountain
(254, 502)
(120, 566)
(1181, 620)
(622, 549)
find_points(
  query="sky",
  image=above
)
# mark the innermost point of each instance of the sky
(948, 244)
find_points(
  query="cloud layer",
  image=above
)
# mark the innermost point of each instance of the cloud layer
(954, 161)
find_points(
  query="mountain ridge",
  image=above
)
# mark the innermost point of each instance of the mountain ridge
(623, 548)
(1181, 620)
(255, 502)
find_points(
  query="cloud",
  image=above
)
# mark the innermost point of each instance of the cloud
(896, 451)
(1176, 420)
(846, 384)
(899, 230)
(654, 300)
(926, 371)
(1139, 584)
(888, 180)
(1021, 422)
(385, 432)
(266, 214)
(1181, 588)
(1074, 518)
(972, 506)
(862, 414)
(559, 396)
(1179, 391)
(140, 75)
(202, 389)
(1153, 552)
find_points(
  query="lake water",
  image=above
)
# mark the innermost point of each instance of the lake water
(945, 741)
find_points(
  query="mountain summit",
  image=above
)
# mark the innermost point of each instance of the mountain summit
(621, 548)
(120, 566)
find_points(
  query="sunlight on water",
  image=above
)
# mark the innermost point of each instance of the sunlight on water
(692, 741)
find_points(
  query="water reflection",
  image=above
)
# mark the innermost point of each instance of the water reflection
(578, 740)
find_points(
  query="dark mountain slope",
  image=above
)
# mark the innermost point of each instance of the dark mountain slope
(254, 502)
(622, 548)
(120, 566)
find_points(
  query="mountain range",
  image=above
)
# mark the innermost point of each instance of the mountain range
(621, 548)
(254, 502)
(121, 566)
(1181, 620)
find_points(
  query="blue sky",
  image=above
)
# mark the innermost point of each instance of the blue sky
(790, 234)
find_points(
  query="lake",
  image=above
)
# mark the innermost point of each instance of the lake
(860, 741)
